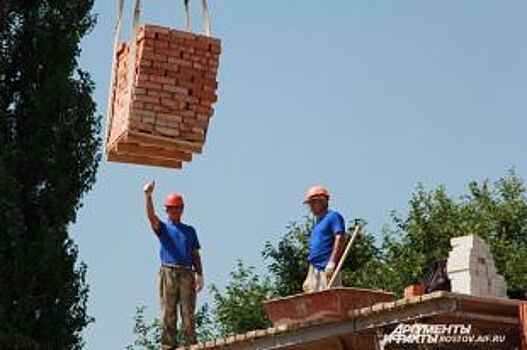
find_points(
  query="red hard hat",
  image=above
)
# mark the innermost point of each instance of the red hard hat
(174, 200)
(315, 191)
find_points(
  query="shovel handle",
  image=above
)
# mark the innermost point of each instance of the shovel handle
(344, 255)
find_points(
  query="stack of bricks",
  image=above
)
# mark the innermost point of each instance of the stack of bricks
(165, 118)
(471, 268)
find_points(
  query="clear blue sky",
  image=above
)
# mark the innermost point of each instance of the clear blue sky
(366, 97)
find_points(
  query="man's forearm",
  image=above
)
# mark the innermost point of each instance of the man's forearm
(338, 246)
(196, 261)
(151, 213)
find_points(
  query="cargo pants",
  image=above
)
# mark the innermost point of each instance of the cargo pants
(177, 287)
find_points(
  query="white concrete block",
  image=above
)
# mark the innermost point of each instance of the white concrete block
(467, 241)
(467, 283)
(471, 268)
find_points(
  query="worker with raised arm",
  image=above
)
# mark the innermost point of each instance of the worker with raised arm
(181, 272)
(326, 242)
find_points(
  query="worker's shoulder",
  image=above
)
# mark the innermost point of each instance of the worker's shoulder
(179, 226)
(333, 214)
(188, 227)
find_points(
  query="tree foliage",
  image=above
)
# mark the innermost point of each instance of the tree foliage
(49, 142)
(239, 308)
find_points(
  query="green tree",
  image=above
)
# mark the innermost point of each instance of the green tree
(287, 262)
(49, 142)
(239, 308)
(148, 335)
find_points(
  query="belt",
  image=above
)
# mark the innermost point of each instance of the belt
(177, 267)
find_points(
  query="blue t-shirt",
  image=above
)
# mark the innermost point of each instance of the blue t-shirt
(323, 237)
(178, 241)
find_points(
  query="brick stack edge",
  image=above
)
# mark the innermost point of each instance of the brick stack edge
(174, 88)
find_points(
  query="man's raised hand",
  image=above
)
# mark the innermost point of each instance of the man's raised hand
(149, 188)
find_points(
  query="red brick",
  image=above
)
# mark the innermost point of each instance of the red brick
(136, 104)
(148, 120)
(142, 77)
(175, 51)
(160, 79)
(151, 71)
(207, 88)
(185, 75)
(170, 102)
(179, 61)
(186, 114)
(157, 29)
(176, 41)
(172, 132)
(414, 290)
(203, 117)
(145, 63)
(173, 73)
(210, 76)
(215, 49)
(206, 110)
(148, 99)
(189, 85)
(143, 50)
(151, 56)
(137, 125)
(166, 66)
(167, 122)
(151, 85)
(140, 112)
(174, 117)
(202, 124)
(203, 54)
(160, 109)
(186, 98)
(176, 89)
(150, 106)
(213, 64)
(214, 41)
(174, 33)
(192, 137)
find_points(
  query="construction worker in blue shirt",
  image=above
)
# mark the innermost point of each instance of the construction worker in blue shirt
(181, 272)
(326, 242)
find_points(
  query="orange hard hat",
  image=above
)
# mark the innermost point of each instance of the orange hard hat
(173, 200)
(315, 191)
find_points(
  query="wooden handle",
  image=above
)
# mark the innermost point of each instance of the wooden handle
(345, 255)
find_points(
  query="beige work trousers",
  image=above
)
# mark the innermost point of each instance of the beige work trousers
(317, 281)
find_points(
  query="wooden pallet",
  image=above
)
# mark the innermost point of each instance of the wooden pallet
(152, 150)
